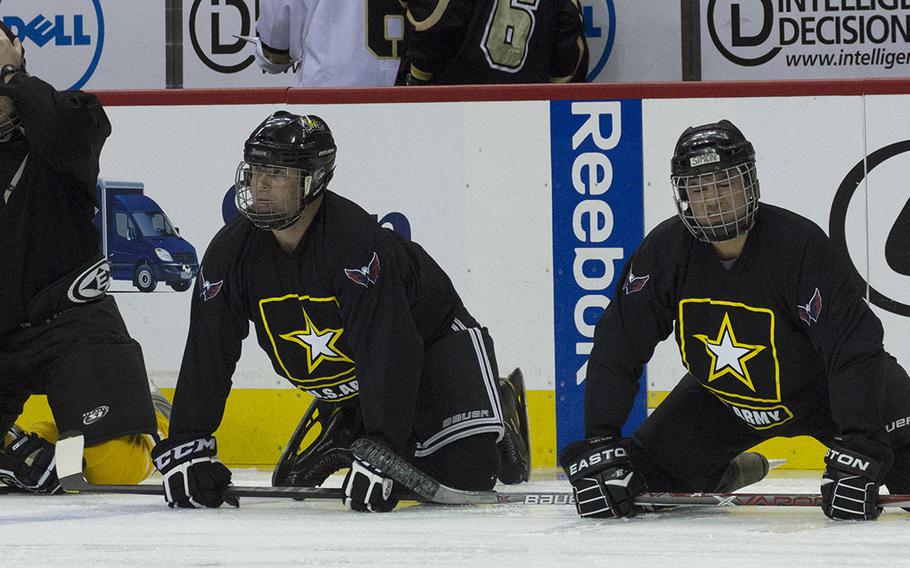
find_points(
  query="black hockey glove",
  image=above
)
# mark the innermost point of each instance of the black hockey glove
(29, 463)
(602, 478)
(366, 488)
(193, 475)
(851, 479)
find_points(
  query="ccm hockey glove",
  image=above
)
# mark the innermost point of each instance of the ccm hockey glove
(852, 477)
(193, 475)
(602, 478)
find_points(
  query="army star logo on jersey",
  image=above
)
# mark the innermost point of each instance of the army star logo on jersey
(728, 356)
(319, 343)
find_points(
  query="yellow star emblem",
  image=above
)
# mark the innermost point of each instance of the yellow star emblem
(729, 356)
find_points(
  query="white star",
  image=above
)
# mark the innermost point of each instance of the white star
(728, 356)
(319, 343)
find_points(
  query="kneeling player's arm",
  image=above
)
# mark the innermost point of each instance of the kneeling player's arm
(65, 128)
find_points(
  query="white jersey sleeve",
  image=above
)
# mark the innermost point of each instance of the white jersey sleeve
(337, 43)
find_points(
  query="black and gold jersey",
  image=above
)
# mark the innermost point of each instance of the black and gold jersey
(496, 41)
(345, 317)
(783, 325)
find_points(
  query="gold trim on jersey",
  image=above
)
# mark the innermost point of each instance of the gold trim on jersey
(432, 19)
(724, 343)
(725, 334)
(319, 344)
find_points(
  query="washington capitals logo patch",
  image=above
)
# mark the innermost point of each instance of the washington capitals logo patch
(367, 275)
(810, 312)
(634, 283)
(208, 290)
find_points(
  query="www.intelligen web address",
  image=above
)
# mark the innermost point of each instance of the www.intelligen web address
(877, 57)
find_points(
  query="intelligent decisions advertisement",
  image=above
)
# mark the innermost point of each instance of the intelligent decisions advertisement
(804, 39)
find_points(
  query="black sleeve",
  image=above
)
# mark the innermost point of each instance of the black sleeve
(67, 129)
(218, 327)
(381, 330)
(639, 317)
(847, 334)
(570, 54)
(436, 30)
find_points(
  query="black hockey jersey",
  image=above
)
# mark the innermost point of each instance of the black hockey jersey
(46, 221)
(490, 41)
(781, 332)
(345, 318)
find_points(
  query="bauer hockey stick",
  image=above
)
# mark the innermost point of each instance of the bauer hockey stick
(69, 453)
(428, 489)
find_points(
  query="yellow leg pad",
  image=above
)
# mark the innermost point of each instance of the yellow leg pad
(45, 429)
(118, 461)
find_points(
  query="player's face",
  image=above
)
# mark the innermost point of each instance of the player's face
(275, 190)
(718, 199)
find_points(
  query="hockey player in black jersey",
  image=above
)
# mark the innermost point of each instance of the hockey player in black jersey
(60, 334)
(350, 313)
(494, 42)
(777, 340)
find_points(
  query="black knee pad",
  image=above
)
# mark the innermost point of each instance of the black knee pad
(470, 464)
(660, 478)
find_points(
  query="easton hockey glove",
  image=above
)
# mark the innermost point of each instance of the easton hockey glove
(602, 478)
(851, 479)
(193, 475)
(366, 488)
(29, 462)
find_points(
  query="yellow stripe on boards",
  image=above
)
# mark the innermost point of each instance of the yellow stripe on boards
(258, 422)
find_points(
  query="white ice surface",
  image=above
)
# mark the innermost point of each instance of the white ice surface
(137, 531)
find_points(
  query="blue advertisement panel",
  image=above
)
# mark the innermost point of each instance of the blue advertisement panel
(598, 221)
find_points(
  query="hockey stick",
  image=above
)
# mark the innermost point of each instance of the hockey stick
(70, 447)
(428, 489)
(69, 452)
(69, 470)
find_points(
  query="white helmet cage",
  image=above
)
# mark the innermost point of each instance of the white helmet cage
(714, 182)
(9, 125)
(273, 197)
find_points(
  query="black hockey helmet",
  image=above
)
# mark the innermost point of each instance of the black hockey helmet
(714, 181)
(298, 147)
